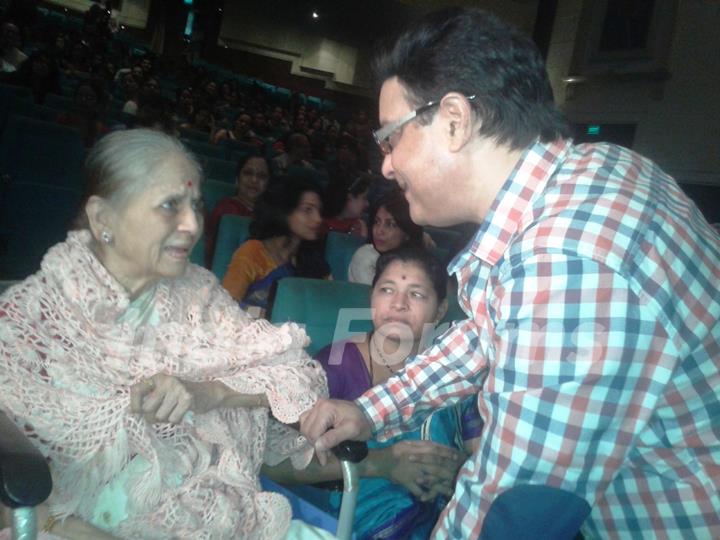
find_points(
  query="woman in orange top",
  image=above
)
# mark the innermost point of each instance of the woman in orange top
(282, 243)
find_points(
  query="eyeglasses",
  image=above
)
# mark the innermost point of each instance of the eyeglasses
(382, 136)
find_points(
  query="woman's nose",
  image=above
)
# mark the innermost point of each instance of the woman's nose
(190, 221)
(400, 302)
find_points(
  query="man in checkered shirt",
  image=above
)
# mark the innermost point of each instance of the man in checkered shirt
(591, 290)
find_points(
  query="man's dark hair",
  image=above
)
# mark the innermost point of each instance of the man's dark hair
(473, 52)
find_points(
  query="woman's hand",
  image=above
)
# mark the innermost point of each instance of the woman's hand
(164, 398)
(425, 468)
(161, 398)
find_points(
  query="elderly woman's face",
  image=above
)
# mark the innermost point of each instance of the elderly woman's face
(154, 232)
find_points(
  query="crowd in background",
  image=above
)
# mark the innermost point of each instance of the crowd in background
(107, 73)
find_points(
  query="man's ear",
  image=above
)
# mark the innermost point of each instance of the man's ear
(441, 311)
(99, 216)
(458, 120)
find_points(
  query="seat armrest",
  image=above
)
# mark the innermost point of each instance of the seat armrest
(24, 473)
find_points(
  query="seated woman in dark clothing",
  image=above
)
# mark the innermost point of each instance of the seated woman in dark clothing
(282, 243)
(400, 496)
(85, 113)
(39, 73)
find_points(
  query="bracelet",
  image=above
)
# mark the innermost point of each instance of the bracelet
(50, 523)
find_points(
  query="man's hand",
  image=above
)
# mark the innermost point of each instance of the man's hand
(332, 421)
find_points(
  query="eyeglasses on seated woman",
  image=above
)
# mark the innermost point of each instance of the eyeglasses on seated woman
(154, 397)
(406, 478)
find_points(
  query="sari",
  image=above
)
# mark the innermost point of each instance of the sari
(386, 510)
(251, 274)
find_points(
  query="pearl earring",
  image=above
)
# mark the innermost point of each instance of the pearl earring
(106, 237)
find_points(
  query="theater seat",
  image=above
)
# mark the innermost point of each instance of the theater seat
(41, 152)
(233, 231)
(197, 255)
(25, 475)
(339, 250)
(320, 178)
(219, 169)
(213, 191)
(204, 149)
(33, 217)
(329, 310)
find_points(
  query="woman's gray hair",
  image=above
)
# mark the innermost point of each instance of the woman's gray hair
(122, 162)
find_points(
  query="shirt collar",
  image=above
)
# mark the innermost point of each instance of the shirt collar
(529, 177)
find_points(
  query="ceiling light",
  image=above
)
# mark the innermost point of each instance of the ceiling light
(315, 15)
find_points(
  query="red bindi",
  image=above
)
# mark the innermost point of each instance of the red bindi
(189, 183)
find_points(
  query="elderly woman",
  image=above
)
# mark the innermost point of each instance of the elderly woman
(153, 396)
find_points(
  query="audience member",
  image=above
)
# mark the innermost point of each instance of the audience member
(345, 205)
(40, 74)
(154, 398)
(130, 94)
(185, 107)
(283, 232)
(297, 154)
(253, 175)
(11, 57)
(260, 124)
(390, 227)
(201, 120)
(85, 115)
(397, 497)
(241, 131)
(590, 288)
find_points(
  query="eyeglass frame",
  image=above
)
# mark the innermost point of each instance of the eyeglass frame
(382, 135)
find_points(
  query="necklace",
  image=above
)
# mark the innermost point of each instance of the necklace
(277, 254)
(384, 361)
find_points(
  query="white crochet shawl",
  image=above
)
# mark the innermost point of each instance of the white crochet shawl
(66, 367)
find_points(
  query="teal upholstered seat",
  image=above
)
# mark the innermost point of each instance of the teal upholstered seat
(33, 217)
(219, 169)
(213, 191)
(329, 310)
(339, 250)
(233, 231)
(41, 152)
(197, 255)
